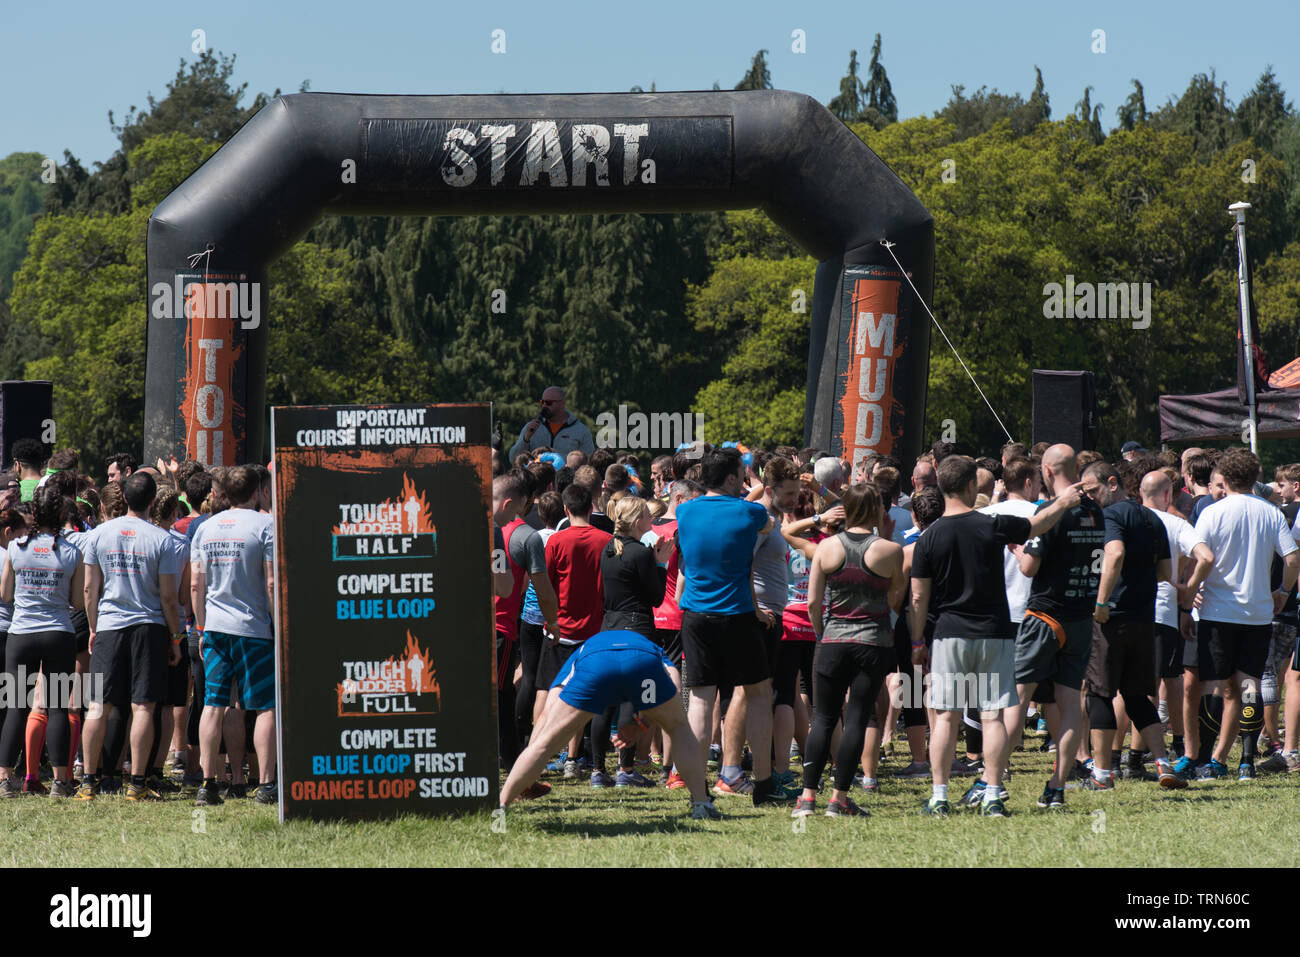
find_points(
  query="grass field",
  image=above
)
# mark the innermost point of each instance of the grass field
(1220, 824)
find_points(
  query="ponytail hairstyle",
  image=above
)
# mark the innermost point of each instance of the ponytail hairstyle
(627, 512)
(862, 508)
(164, 506)
(47, 514)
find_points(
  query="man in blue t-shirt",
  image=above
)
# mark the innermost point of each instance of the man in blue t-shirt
(716, 535)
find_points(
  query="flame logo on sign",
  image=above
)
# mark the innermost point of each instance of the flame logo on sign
(419, 676)
(416, 512)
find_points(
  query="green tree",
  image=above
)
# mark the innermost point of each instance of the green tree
(847, 105)
(1263, 114)
(980, 112)
(1090, 115)
(1203, 113)
(881, 108)
(758, 76)
(1134, 110)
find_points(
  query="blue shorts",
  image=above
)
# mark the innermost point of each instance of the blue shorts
(605, 679)
(236, 661)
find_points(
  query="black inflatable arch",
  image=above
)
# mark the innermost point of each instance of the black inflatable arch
(211, 240)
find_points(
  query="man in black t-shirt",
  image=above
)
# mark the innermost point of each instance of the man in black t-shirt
(1135, 560)
(957, 565)
(1055, 637)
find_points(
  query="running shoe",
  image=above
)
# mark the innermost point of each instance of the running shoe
(9, 790)
(1131, 772)
(140, 792)
(1292, 762)
(777, 794)
(675, 781)
(1246, 771)
(704, 811)
(599, 780)
(237, 791)
(1042, 726)
(783, 779)
(557, 766)
(1093, 784)
(846, 808)
(1184, 768)
(570, 770)
(1170, 778)
(1276, 764)
(965, 767)
(1045, 799)
(871, 785)
(933, 808)
(804, 807)
(62, 788)
(270, 793)
(85, 791)
(715, 756)
(33, 786)
(109, 784)
(632, 779)
(192, 780)
(655, 758)
(584, 764)
(162, 785)
(994, 808)
(535, 790)
(208, 796)
(741, 786)
(914, 771)
(1211, 770)
(794, 751)
(974, 794)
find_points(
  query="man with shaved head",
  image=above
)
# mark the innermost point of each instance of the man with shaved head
(563, 431)
(1054, 641)
(1175, 638)
(924, 475)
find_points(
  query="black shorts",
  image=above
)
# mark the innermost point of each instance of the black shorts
(177, 694)
(81, 627)
(793, 658)
(670, 640)
(1224, 648)
(724, 650)
(1123, 658)
(132, 664)
(551, 661)
(1169, 660)
(772, 642)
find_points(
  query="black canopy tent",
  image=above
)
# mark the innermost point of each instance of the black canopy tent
(1222, 416)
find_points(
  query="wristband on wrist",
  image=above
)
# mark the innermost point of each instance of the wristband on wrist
(1103, 604)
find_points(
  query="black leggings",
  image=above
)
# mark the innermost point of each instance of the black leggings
(530, 654)
(861, 671)
(196, 706)
(792, 657)
(54, 653)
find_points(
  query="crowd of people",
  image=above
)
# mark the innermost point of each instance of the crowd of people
(806, 607)
(135, 629)
(718, 608)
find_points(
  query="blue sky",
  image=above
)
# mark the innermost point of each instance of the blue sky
(61, 74)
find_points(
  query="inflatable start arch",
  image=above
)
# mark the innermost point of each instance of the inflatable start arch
(302, 156)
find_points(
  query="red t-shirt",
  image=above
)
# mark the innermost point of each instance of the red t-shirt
(668, 615)
(573, 565)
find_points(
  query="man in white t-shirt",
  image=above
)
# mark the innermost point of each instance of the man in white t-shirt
(1174, 641)
(1237, 603)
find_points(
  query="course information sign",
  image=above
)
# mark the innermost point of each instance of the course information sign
(383, 583)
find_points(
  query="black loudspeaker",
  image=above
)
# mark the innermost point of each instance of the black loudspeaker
(26, 409)
(1065, 408)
